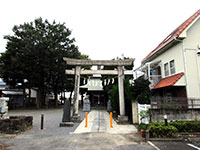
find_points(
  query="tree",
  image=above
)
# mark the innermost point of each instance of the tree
(113, 92)
(128, 96)
(35, 52)
(141, 91)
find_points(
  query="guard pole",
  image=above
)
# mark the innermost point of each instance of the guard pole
(42, 121)
(165, 118)
(86, 119)
(111, 119)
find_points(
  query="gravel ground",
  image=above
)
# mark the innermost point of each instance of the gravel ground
(54, 137)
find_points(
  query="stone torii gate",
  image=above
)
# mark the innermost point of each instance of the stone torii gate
(120, 72)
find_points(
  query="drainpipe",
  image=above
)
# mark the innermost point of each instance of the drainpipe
(184, 62)
(149, 69)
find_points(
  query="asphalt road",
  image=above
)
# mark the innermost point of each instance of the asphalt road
(175, 145)
(54, 137)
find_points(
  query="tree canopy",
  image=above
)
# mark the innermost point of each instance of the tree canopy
(35, 52)
(141, 90)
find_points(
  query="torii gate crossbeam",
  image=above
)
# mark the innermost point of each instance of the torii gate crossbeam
(120, 72)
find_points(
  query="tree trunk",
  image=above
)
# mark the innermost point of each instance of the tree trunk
(24, 95)
(41, 98)
(38, 99)
(44, 99)
(29, 95)
(56, 98)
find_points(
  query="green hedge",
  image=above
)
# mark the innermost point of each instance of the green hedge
(159, 130)
(186, 126)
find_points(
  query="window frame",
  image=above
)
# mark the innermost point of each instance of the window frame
(166, 69)
(172, 68)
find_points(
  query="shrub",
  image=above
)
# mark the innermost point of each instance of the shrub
(143, 126)
(159, 130)
(180, 125)
(186, 126)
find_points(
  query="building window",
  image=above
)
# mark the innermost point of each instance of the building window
(172, 67)
(168, 97)
(166, 68)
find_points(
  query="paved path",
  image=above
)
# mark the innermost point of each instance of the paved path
(99, 121)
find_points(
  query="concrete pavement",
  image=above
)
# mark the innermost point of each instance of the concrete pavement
(99, 121)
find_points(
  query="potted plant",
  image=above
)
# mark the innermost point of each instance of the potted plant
(142, 127)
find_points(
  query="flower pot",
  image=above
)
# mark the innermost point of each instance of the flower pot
(142, 133)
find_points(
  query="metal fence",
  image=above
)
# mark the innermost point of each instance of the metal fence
(174, 103)
(143, 107)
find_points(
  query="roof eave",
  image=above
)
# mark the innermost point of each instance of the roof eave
(161, 50)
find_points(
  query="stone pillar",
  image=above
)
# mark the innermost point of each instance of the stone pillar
(121, 118)
(135, 112)
(121, 91)
(76, 117)
(66, 115)
(66, 112)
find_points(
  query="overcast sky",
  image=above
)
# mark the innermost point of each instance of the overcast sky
(104, 29)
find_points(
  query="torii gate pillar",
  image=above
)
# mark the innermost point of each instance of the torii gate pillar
(76, 92)
(120, 72)
(121, 91)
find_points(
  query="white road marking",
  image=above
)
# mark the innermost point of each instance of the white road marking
(150, 143)
(193, 146)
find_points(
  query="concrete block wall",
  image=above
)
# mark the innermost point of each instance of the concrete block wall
(157, 115)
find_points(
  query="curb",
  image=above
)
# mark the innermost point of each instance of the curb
(166, 139)
(150, 143)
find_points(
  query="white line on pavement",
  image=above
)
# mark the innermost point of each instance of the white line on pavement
(150, 143)
(193, 146)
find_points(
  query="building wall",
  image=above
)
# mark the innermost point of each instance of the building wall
(185, 52)
(173, 53)
(174, 114)
(191, 43)
(33, 93)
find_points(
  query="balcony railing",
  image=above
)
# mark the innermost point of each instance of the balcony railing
(154, 79)
(174, 103)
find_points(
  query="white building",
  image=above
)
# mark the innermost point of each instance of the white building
(173, 67)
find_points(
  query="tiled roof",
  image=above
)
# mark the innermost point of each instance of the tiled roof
(169, 81)
(174, 34)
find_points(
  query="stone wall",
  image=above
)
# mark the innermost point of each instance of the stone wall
(4, 107)
(174, 114)
(15, 124)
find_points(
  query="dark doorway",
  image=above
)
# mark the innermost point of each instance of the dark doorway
(97, 98)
